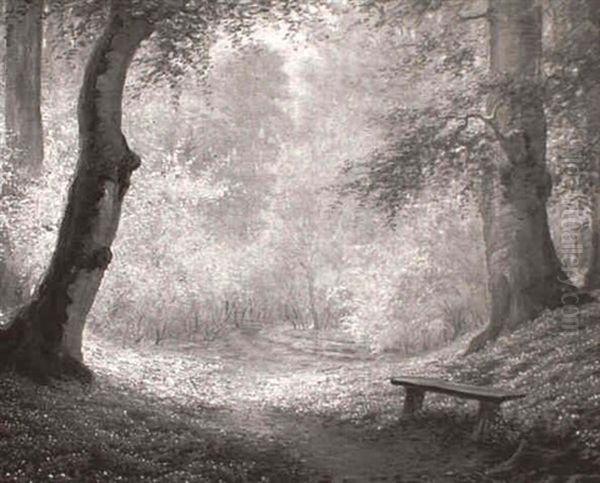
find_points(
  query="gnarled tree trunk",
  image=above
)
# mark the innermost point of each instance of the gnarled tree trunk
(45, 337)
(525, 274)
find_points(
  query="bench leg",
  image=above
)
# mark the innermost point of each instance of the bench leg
(489, 413)
(413, 401)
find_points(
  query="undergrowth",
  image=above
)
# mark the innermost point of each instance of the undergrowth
(68, 432)
(237, 410)
(558, 365)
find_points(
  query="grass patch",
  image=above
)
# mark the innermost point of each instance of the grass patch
(256, 410)
(67, 432)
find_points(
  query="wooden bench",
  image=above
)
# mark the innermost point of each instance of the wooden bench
(490, 398)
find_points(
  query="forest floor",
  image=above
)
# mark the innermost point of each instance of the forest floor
(285, 406)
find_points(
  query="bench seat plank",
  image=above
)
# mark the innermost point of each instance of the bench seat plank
(465, 391)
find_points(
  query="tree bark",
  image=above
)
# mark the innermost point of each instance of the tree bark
(525, 274)
(23, 116)
(45, 337)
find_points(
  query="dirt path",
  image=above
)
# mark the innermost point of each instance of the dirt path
(335, 451)
(284, 406)
(330, 408)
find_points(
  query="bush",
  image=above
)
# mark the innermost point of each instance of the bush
(421, 285)
(188, 265)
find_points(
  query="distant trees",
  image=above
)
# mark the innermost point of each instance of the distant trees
(499, 161)
(508, 171)
(247, 136)
(45, 337)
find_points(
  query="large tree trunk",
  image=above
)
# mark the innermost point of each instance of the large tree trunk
(45, 337)
(22, 117)
(525, 274)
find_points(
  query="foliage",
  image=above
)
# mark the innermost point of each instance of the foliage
(234, 224)
(113, 434)
(232, 220)
(184, 30)
(241, 407)
(412, 290)
(31, 212)
(554, 359)
(442, 77)
(571, 60)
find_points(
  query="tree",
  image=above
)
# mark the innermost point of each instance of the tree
(509, 173)
(45, 337)
(22, 114)
(248, 137)
(525, 274)
(23, 84)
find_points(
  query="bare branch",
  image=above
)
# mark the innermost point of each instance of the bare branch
(492, 116)
(489, 121)
(474, 16)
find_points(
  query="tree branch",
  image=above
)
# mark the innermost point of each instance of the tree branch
(473, 16)
(489, 121)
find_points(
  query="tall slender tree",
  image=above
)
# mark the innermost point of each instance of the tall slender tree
(23, 84)
(22, 116)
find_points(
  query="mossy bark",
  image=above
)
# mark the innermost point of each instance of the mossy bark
(45, 337)
(525, 274)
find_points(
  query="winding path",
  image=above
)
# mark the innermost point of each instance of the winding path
(329, 405)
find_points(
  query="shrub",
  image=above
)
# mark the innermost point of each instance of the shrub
(421, 285)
